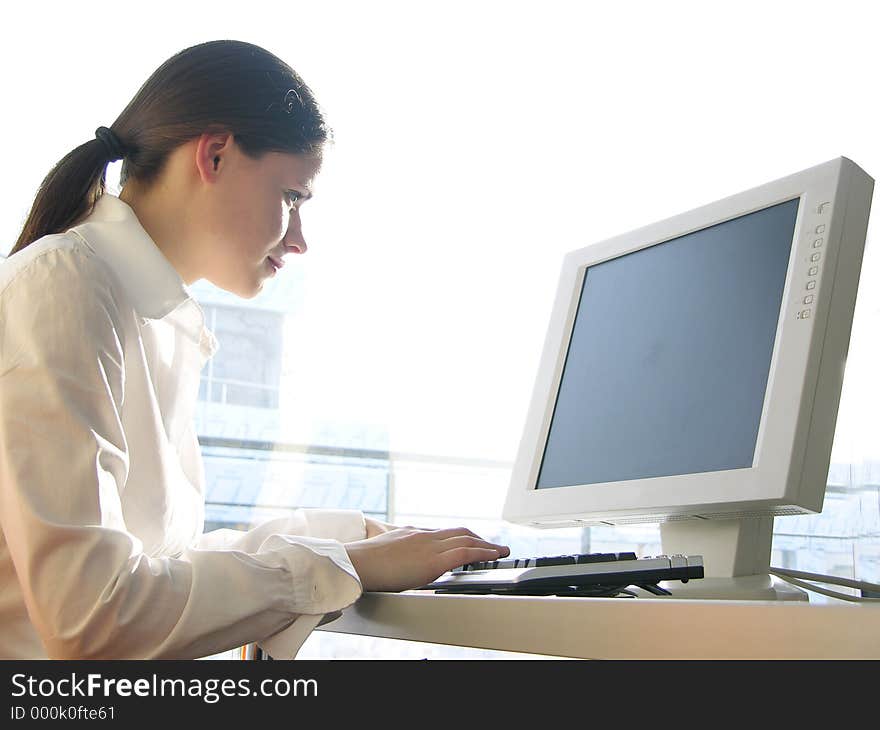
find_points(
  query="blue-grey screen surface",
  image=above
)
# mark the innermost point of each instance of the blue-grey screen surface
(669, 355)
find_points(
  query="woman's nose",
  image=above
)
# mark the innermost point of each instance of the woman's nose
(296, 246)
(293, 240)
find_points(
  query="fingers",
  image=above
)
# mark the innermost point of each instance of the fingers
(451, 532)
(464, 555)
(455, 532)
(460, 537)
(466, 541)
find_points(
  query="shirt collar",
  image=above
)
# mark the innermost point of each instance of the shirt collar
(114, 232)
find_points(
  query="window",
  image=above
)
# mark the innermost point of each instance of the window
(248, 374)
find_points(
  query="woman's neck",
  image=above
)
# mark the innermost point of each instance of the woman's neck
(165, 219)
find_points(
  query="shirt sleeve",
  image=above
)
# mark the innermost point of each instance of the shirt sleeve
(90, 590)
(340, 524)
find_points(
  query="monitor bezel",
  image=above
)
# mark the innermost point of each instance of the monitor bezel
(774, 483)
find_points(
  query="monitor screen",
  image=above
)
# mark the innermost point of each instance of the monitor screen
(669, 355)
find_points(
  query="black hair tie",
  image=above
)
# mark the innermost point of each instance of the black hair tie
(115, 150)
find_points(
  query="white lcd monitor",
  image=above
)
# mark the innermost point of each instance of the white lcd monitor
(692, 370)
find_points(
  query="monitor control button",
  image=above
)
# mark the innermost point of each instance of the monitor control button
(808, 299)
(816, 256)
(811, 285)
(805, 314)
(820, 228)
(818, 242)
(813, 270)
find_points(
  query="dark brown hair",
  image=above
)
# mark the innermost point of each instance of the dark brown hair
(220, 85)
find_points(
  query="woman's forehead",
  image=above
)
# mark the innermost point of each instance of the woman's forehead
(298, 168)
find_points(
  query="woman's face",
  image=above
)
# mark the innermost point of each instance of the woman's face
(253, 223)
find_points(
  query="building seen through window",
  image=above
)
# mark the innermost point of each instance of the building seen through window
(248, 374)
(253, 471)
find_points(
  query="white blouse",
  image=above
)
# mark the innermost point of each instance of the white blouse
(101, 480)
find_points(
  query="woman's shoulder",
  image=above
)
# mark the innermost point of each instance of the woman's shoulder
(58, 277)
(55, 263)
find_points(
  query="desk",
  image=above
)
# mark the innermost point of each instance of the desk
(621, 628)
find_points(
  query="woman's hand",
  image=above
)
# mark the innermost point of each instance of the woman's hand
(375, 527)
(409, 557)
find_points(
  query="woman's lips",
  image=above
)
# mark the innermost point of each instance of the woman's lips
(277, 263)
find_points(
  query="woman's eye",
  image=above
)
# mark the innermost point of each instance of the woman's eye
(292, 196)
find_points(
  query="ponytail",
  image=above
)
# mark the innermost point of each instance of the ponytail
(68, 193)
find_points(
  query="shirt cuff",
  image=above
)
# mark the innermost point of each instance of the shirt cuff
(287, 642)
(319, 586)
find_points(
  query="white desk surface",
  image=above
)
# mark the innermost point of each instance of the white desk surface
(621, 628)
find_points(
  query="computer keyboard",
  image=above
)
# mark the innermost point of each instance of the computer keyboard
(587, 574)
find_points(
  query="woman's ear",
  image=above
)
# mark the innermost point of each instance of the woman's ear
(209, 152)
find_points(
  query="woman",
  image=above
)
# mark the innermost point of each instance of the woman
(101, 482)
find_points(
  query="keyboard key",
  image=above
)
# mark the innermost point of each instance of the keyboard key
(557, 560)
(594, 558)
(605, 557)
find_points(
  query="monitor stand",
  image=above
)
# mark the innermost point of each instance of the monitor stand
(736, 556)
